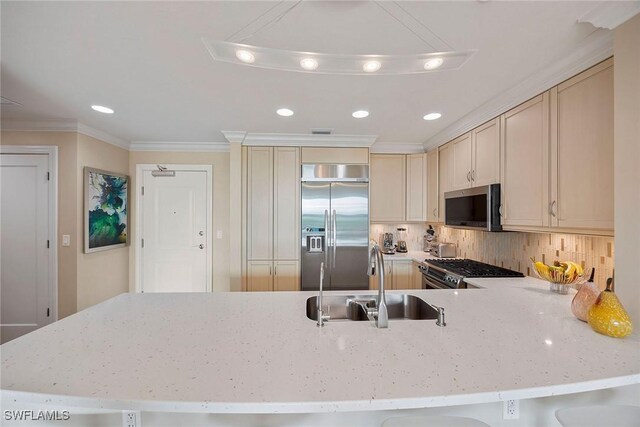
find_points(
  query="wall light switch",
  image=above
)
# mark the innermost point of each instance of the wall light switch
(66, 240)
(219, 234)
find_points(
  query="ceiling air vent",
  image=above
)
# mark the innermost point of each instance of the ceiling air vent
(321, 131)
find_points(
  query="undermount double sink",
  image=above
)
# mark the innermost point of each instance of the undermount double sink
(353, 307)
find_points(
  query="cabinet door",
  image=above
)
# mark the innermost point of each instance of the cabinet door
(432, 186)
(445, 161)
(486, 154)
(387, 187)
(402, 275)
(286, 210)
(524, 163)
(582, 150)
(259, 276)
(416, 187)
(461, 162)
(416, 276)
(286, 276)
(260, 203)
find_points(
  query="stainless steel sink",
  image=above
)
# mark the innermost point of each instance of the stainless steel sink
(352, 307)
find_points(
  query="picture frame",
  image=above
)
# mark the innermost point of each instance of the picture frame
(106, 210)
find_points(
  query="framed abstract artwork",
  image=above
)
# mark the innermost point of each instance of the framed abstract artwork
(106, 208)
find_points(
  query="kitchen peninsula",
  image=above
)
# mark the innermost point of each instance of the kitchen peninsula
(229, 353)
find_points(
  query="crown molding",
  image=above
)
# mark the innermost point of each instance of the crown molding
(234, 136)
(172, 146)
(396, 147)
(308, 140)
(103, 136)
(63, 126)
(610, 14)
(597, 48)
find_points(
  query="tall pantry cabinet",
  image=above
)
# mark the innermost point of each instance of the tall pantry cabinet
(272, 218)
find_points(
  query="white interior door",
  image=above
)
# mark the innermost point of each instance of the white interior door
(175, 232)
(24, 234)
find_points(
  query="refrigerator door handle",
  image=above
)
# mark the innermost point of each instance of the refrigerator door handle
(326, 237)
(334, 231)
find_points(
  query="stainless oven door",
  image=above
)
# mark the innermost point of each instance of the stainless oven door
(429, 282)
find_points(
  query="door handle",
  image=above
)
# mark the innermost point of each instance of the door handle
(201, 246)
(500, 210)
(335, 237)
(435, 212)
(468, 176)
(326, 237)
(473, 175)
(551, 212)
(201, 233)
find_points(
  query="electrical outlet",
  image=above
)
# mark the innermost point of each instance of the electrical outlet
(131, 419)
(66, 240)
(219, 234)
(510, 409)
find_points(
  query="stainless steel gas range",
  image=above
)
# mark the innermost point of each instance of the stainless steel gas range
(451, 273)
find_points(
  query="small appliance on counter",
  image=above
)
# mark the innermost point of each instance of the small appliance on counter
(387, 244)
(444, 250)
(429, 239)
(402, 244)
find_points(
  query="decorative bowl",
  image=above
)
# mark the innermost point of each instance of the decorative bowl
(561, 276)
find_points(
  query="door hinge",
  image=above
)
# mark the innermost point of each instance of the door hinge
(142, 240)
(47, 311)
(143, 190)
(48, 176)
(47, 244)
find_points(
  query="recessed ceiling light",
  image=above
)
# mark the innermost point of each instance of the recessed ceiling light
(432, 116)
(101, 109)
(284, 112)
(245, 56)
(309, 64)
(360, 114)
(371, 66)
(433, 63)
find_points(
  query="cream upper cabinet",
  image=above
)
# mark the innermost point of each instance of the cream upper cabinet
(476, 157)
(387, 189)
(524, 168)
(445, 167)
(337, 155)
(582, 150)
(416, 187)
(486, 154)
(432, 186)
(286, 276)
(260, 203)
(461, 154)
(286, 204)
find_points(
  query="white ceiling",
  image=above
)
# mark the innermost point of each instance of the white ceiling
(147, 61)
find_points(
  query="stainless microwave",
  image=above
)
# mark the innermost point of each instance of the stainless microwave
(474, 208)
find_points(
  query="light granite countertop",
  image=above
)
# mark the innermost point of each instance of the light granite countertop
(259, 353)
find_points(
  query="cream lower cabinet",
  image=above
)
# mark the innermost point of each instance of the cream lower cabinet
(416, 275)
(445, 168)
(273, 218)
(432, 186)
(264, 276)
(524, 158)
(581, 171)
(402, 275)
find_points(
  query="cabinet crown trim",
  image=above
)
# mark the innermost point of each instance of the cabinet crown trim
(302, 140)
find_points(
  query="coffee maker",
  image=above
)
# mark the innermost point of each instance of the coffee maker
(387, 244)
(429, 240)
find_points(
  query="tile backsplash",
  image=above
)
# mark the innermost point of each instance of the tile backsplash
(514, 250)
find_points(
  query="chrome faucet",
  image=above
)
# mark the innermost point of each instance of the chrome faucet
(321, 316)
(376, 268)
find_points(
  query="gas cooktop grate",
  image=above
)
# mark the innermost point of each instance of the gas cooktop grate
(471, 268)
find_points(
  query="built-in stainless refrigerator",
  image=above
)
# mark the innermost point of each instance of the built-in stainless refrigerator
(335, 226)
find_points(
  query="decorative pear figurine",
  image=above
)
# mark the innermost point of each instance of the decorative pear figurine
(584, 299)
(607, 315)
